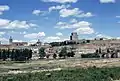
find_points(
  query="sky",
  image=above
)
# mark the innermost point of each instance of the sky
(54, 20)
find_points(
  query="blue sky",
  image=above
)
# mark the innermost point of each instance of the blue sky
(54, 20)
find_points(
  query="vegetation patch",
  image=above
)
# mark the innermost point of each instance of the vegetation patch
(90, 55)
(69, 74)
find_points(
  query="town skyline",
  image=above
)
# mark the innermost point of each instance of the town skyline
(54, 20)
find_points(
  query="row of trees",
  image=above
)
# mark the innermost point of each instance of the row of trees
(68, 43)
(62, 54)
(15, 54)
(63, 43)
(90, 55)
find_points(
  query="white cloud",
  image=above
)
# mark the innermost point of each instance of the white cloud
(58, 7)
(64, 25)
(117, 16)
(34, 35)
(74, 12)
(107, 1)
(2, 33)
(33, 41)
(61, 1)
(17, 41)
(39, 12)
(85, 30)
(3, 40)
(59, 34)
(69, 12)
(4, 22)
(118, 22)
(54, 39)
(33, 25)
(81, 27)
(23, 32)
(117, 37)
(1, 13)
(36, 12)
(88, 14)
(3, 8)
(61, 23)
(8, 24)
(73, 21)
(12, 31)
(18, 24)
(103, 36)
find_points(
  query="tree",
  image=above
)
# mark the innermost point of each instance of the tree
(47, 56)
(12, 56)
(42, 53)
(30, 54)
(4, 56)
(63, 52)
(100, 51)
(0, 54)
(97, 51)
(88, 41)
(70, 54)
(8, 53)
(54, 55)
(108, 50)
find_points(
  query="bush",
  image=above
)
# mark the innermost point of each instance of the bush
(70, 54)
(42, 53)
(63, 52)
(54, 55)
(90, 55)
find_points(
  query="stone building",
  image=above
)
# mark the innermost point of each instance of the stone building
(74, 36)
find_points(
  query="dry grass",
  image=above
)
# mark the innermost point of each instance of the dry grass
(59, 63)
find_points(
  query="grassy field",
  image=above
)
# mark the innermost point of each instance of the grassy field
(9, 67)
(68, 74)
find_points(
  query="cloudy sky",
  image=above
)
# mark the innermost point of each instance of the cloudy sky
(54, 20)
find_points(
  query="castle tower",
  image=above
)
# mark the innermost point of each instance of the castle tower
(10, 40)
(74, 36)
(38, 42)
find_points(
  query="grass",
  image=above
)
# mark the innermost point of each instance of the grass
(68, 74)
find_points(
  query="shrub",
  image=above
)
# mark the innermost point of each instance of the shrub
(90, 55)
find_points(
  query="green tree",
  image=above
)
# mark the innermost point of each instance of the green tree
(54, 55)
(30, 54)
(4, 56)
(97, 51)
(0, 54)
(63, 52)
(100, 50)
(12, 56)
(70, 54)
(42, 53)
(108, 50)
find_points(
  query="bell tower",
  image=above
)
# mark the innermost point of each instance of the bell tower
(10, 40)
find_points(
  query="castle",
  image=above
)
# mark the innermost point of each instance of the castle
(79, 46)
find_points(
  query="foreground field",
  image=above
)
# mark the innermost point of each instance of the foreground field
(53, 65)
(71, 69)
(68, 74)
